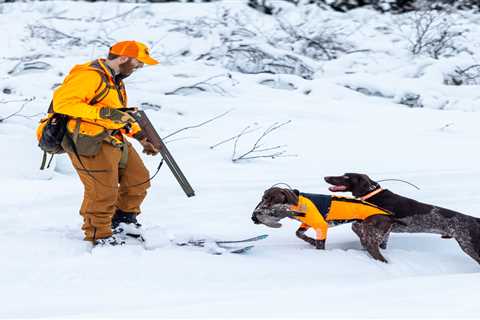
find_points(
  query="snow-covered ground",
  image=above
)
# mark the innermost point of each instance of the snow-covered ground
(46, 270)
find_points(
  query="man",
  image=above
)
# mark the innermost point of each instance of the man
(114, 177)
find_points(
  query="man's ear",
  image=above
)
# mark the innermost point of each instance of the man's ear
(123, 59)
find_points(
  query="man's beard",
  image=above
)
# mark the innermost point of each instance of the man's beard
(126, 69)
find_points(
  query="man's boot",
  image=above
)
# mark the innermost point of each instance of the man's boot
(126, 224)
(112, 241)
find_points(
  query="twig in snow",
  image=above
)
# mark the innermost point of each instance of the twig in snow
(257, 150)
(17, 113)
(198, 125)
(202, 84)
(234, 137)
(119, 15)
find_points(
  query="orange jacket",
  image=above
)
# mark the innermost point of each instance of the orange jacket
(340, 210)
(74, 98)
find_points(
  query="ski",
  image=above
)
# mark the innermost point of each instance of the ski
(218, 247)
(241, 250)
(212, 246)
(201, 242)
(217, 250)
(260, 237)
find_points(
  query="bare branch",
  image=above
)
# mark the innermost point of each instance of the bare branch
(17, 113)
(22, 100)
(122, 15)
(230, 139)
(464, 76)
(257, 149)
(198, 125)
(272, 156)
(433, 33)
(236, 141)
(202, 84)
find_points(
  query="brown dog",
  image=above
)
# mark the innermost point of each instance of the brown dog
(372, 224)
(413, 216)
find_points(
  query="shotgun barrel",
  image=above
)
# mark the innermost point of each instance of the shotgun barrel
(154, 138)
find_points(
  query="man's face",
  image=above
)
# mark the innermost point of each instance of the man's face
(129, 66)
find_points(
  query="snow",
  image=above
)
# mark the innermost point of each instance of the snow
(48, 271)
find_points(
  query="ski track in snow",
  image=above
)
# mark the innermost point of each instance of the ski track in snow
(47, 270)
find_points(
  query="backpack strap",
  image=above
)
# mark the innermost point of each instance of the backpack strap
(103, 71)
(44, 161)
(102, 94)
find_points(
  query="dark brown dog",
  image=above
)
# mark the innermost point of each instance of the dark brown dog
(415, 216)
(276, 205)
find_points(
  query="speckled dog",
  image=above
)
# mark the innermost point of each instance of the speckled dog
(319, 212)
(415, 216)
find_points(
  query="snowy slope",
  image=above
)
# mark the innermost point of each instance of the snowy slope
(47, 270)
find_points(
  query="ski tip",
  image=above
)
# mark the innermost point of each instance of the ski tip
(241, 250)
(262, 236)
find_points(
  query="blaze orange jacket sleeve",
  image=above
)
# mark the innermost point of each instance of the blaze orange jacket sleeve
(72, 97)
(134, 130)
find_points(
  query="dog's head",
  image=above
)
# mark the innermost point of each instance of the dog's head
(356, 183)
(274, 206)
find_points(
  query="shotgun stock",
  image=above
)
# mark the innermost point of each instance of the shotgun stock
(154, 138)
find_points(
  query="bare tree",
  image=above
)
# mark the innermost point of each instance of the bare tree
(323, 44)
(434, 33)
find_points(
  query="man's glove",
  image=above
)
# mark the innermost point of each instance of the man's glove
(148, 147)
(115, 115)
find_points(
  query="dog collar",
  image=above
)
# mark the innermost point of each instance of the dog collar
(371, 194)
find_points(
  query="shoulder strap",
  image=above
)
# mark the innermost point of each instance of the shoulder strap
(104, 92)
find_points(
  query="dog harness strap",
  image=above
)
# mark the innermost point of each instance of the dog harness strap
(350, 209)
(321, 201)
(371, 194)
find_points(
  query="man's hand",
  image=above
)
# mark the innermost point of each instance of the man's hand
(148, 148)
(115, 115)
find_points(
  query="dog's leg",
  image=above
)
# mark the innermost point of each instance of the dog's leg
(383, 244)
(370, 238)
(467, 234)
(376, 230)
(468, 248)
(358, 228)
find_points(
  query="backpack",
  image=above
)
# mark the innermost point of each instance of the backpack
(52, 129)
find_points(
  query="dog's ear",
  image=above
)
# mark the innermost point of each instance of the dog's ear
(291, 196)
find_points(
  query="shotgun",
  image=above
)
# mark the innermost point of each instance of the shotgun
(154, 138)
